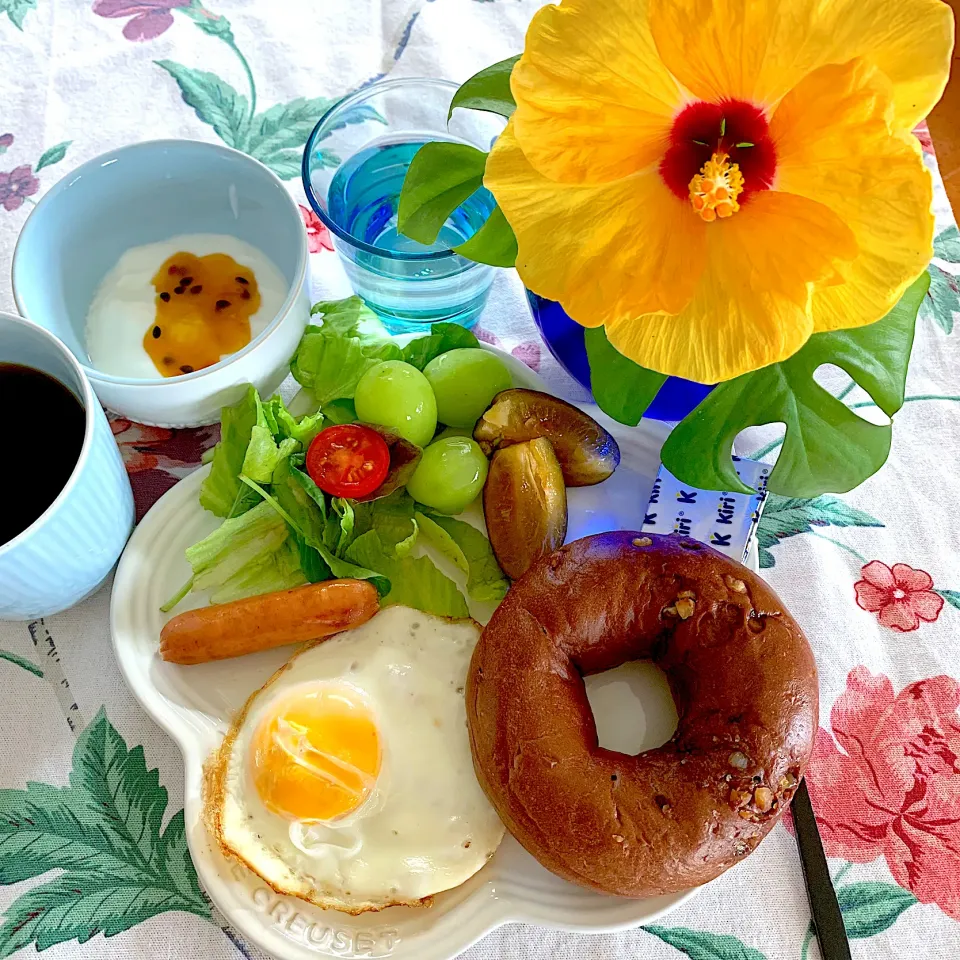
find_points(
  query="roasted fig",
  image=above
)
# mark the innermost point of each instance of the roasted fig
(525, 505)
(587, 453)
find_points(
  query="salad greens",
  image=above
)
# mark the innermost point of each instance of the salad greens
(332, 358)
(443, 337)
(470, 551)
(415, 581)
(280, 530)
(222, 493)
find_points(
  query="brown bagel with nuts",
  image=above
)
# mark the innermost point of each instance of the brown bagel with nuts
(745, 685)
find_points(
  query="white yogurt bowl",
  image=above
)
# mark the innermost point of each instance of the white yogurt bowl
(148, 193)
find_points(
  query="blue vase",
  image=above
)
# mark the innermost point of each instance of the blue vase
(564, 339)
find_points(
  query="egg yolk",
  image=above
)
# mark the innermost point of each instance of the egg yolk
(316, 755)
(203, 310)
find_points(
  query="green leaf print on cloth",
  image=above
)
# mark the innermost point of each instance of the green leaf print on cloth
(705, 946)
(105, 832)
(943, 298)
(784, 517)
(53, 155)
(213, 100)
(16, 10)
(276, 136)
(951, 596)
(870, 907)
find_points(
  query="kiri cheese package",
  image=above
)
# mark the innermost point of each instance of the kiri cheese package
(726, 521)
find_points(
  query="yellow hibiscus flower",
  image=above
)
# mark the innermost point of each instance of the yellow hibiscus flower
(715, 180)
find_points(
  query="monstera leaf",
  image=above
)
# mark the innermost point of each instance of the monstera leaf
(105, 832)
(827, 447)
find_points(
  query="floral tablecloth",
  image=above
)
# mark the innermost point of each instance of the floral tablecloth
(93, 861)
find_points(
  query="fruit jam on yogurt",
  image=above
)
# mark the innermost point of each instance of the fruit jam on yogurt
(204, 305)
(167, 309)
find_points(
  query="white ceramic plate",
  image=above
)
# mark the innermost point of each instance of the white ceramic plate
(195, 705)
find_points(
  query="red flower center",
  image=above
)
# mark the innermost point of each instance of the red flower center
(732, 127)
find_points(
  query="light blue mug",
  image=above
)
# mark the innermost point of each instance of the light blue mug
(71, 548)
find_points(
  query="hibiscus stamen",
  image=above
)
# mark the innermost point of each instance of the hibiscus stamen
(714, 190)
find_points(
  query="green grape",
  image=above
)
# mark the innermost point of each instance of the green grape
(450, 474)
(465, 381)
(397, 395)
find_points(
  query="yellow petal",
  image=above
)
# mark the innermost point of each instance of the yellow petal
(834, 145)
(594, 102)
(751, 306)
(759, 49)
(604, 250)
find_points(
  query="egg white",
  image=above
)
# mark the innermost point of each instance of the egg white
(427, 825)
(124, 305)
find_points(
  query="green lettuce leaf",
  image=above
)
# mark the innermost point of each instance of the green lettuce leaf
(275, 571)
(442, 337)
(302, 429)
(343, 511)
(350, 318)
(310, 488)
(485, 580)
(340, 411)
(392, 518)
(221, 492)
(297, 503)
(329, 365)
(331, 358)
(290, 499)
(245, 556)
(440, 540)
(414, 582)
(264, 453)
(353, 318)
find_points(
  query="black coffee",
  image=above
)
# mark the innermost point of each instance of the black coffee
(44, 425)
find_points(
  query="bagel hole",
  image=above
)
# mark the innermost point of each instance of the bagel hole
(633, 708)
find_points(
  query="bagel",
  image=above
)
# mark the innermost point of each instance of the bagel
(745, 685)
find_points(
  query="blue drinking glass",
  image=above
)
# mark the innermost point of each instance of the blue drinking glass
(354, 164)
(564, 338)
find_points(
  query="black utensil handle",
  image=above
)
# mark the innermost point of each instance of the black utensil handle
(827, 918)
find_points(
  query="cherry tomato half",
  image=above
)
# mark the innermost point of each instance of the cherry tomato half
(348, 460)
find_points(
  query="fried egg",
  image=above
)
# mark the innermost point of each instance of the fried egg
(347, 779)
